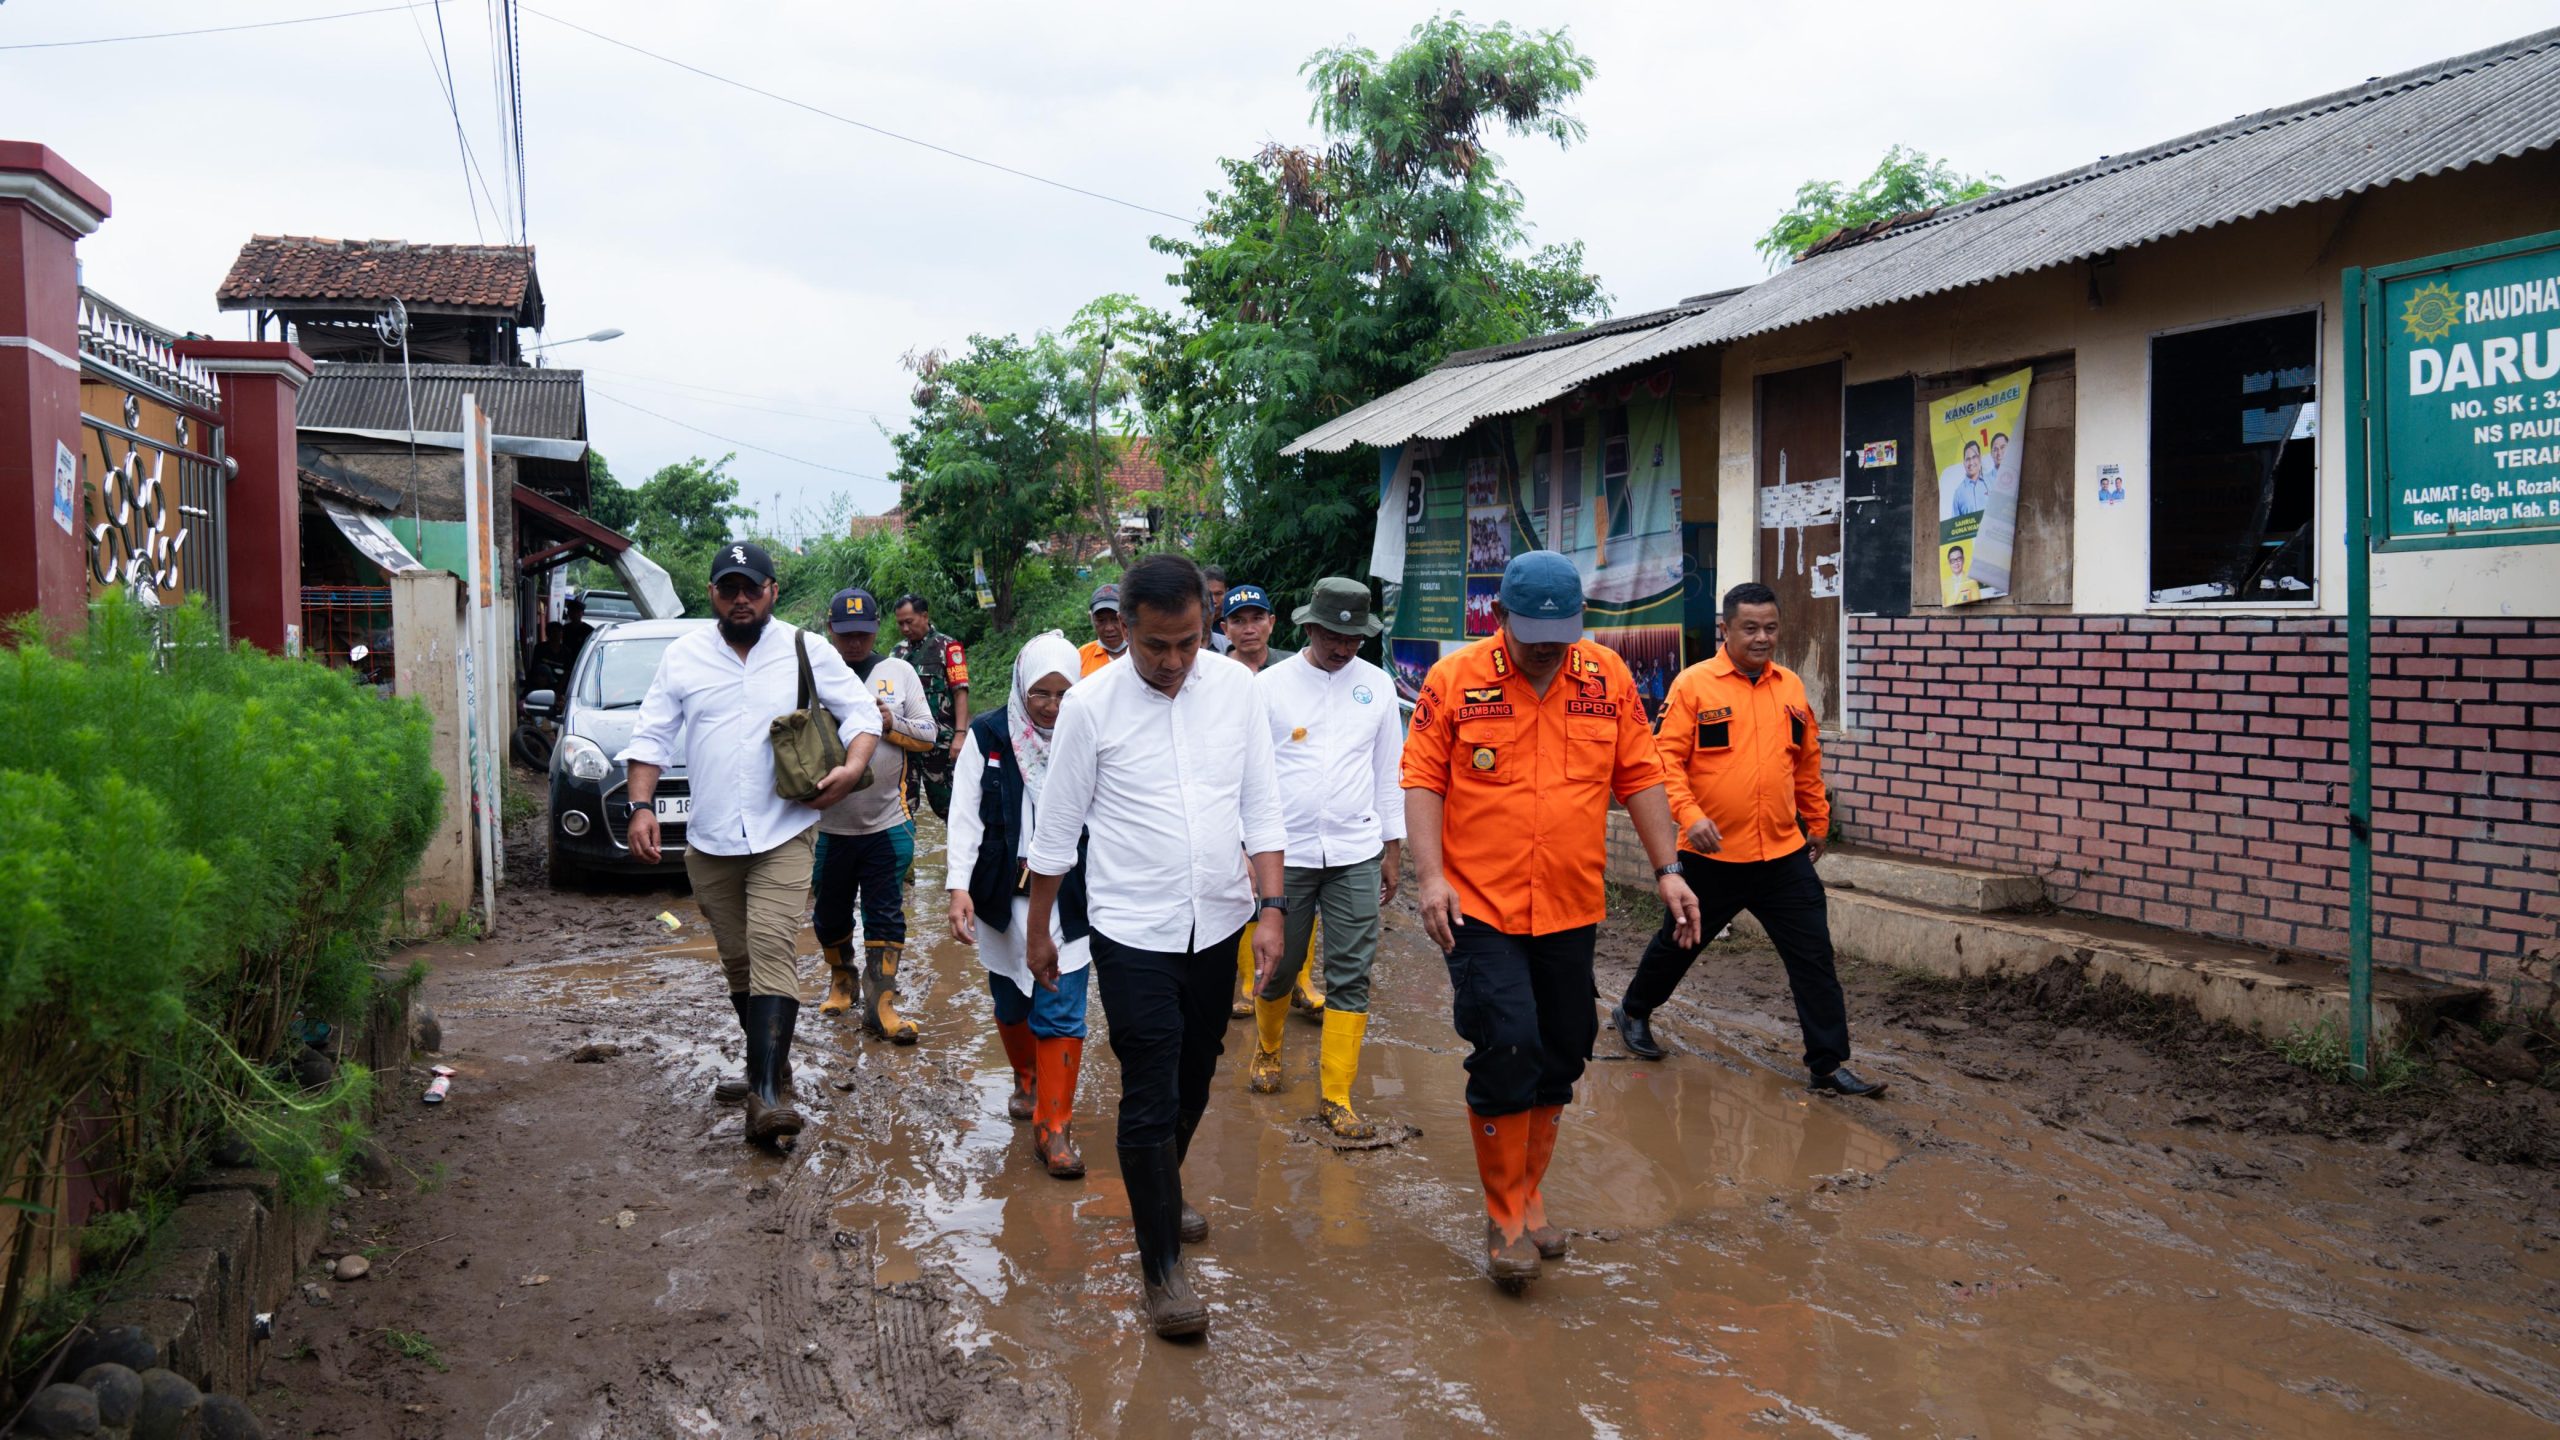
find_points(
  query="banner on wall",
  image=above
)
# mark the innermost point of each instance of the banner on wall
(1599, 474)
(1979, 439)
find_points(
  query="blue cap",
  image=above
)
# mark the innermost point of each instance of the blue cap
(853, 612)
(1245, 597)
(1542, 598)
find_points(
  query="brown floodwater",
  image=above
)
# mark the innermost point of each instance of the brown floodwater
(1747, 1257)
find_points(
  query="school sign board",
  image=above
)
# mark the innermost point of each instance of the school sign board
(2462, 356)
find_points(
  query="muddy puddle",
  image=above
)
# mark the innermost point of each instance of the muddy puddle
(1747, 1258)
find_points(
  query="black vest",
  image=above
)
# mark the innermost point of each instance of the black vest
(1000, 796)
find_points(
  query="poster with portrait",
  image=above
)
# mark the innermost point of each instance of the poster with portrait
(1979, 439)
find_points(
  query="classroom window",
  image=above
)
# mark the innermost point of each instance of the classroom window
(1542, 465)
(2235, 421)
(1615, 487)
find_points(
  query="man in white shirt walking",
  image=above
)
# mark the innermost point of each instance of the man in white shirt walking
(1337, 751)
(1165, 762)
(747, 850)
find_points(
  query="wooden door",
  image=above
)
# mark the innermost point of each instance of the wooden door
(1876, 510)
(1799, 502)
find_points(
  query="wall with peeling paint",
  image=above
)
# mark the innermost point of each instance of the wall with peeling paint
(2106, 315)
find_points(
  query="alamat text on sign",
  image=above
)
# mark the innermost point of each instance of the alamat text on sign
(2463, 356)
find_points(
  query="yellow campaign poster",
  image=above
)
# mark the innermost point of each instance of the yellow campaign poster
(1979, 438)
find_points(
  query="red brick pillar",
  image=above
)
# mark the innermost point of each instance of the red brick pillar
(262, 510)
(45, 207)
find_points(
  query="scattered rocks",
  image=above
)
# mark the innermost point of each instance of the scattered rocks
(595, 1053)
(119, 1392)
(171, 1407)
(315, 1293)
(60, 1410)
(624, 1219)
(352, 1267)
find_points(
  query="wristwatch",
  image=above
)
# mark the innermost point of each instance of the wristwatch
(1276, 902)
(1671, 869)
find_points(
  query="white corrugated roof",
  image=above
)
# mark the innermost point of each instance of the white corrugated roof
(2473, 109)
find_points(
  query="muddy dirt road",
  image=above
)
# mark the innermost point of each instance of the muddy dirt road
(2044, 1231)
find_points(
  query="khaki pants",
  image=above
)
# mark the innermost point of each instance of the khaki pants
(756, 905)
(1346, 897)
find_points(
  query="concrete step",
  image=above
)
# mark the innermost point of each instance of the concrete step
(1929, 882)
(2266, 994)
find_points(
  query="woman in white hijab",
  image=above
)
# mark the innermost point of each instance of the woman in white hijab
(995, 797)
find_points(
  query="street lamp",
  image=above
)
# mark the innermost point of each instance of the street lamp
(599, 336)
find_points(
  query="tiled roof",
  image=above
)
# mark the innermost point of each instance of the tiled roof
(1134, 468)
(292, 268)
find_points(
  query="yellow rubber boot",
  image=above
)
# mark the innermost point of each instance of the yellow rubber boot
(1337, 1063)
(1269, 1016)
(880, 1011)
(843, 990)
(1305, 998)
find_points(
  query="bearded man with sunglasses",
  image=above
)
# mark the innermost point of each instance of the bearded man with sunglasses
(748, 851)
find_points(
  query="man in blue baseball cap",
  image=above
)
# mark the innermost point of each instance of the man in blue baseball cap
(1247, 613)
(1519, 742)
(867, 840)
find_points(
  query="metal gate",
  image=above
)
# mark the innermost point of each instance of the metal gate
(153, 477)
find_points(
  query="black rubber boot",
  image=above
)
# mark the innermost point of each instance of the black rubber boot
(1152, 1173)
(770, 1020)
(734, 1092)
(1195, 1226)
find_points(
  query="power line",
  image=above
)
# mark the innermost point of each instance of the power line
(814, 405)
(861, 124)
(733, 440)
(214, 29)
(444, 83)
(673, 394)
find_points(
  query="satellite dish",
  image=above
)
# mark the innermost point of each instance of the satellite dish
(392, 325)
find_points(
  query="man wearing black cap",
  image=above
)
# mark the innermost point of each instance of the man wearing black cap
(867, 840)
(748, 851)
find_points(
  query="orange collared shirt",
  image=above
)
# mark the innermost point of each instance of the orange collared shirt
(1095, 657)
(1746, 754)
(1527, 780)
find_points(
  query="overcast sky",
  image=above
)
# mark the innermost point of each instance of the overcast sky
(771, 266)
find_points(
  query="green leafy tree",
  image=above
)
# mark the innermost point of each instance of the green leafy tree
(609, 502)
(1321, 279)
(1902, 182)
(679, 516)
(989, 464)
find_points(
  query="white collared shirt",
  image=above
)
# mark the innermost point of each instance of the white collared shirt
(712, 713)
(1338, 752)
(1174, 792)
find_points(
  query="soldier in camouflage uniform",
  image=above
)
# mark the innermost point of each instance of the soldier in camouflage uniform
(944, 668)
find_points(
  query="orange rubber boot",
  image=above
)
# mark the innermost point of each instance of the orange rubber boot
(1061, 1060)
(1545, 1122)
(1021, 1051)
(1502, 1161)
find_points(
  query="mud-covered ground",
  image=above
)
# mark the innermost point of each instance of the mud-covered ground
(2074, 1215)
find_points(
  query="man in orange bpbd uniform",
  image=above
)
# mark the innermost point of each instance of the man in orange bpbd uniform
(1742, 757)
(1517, 745)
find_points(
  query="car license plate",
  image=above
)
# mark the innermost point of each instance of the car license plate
(674, 807)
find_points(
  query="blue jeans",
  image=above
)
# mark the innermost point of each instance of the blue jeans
(1054, 1014)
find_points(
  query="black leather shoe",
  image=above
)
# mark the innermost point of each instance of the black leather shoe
(1637, 1032)
(1845, 1081)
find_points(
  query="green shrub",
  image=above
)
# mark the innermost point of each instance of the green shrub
(203, 842)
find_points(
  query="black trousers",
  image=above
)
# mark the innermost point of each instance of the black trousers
(868, 870)
(1523, 1003)
(1168, 1016)
(1786, 897)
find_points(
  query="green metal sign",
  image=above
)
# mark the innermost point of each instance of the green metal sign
(2462, 353)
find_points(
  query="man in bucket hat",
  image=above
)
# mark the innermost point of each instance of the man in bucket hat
(1518, 744)
(1337, 751)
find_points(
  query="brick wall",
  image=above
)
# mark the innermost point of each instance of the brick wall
(2191, 772)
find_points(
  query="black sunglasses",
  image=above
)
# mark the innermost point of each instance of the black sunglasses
(737, 587)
